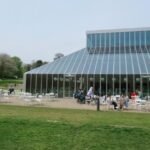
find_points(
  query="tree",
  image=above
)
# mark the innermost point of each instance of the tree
(7, 66)
(38, 63)
(58, 55)
(18, 63)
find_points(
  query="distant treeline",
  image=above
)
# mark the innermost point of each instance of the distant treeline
(14, 68)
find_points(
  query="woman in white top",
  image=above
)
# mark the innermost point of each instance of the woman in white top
(90, 92)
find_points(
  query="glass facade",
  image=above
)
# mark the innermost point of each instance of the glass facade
(114, 62)
(136, 41)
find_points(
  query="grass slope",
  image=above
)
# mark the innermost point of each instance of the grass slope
(30, 128)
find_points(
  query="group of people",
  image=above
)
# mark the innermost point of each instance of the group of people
(81, 96)
(119, 102)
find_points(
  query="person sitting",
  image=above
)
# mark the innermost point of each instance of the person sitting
(79, 95)
(114, 104)
(11, 90)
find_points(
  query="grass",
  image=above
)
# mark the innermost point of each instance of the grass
(6, 82)
(32, 128)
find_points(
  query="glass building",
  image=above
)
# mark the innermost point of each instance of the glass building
(113, 62)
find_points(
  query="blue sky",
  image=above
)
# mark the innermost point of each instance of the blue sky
(38, 29)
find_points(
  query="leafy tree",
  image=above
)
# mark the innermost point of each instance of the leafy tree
(38, 63)
(7, 66)
(27, 67)
(18, 63)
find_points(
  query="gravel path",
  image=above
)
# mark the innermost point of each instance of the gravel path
(69, 103)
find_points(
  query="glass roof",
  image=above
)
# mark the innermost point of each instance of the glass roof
(81, 62)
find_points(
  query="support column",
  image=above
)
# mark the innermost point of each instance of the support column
(133, 83)
(52, 84)
(106, 84)
(30, 83)
(41, 84)
(35, 83)
(141, 88)
(75, 84)
(63, 86)
(46, 83)
(100, 86)
(120, 84)
(87, 83)
(24, 82)
(58, 84)
(127, 93)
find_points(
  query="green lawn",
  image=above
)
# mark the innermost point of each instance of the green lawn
(6, 82)
(32, 128)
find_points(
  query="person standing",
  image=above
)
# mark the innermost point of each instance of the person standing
(90, 92)
(121, 102)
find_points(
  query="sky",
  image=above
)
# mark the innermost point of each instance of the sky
(38, 29)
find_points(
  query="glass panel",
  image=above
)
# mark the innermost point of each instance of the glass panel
(117, 40)
(116, 85)
(141, 64)
(112, 39)
(71, 63)
(104, 65)
(38, 85)
(122, 41)
(82, 60)
(127, 42)
(33, 83)
(137, 39)
(77, 62)
(135, 64)
(130, 84)
(99, 64)
(92, 64)
(148, 38)
(142, 40)
(93, 40)
(123, 63)
(132, 42)
(109, 85)
(110, 64)
(97, 84)
(55, 79)
(84, 83)
(62, 67)
(145, 84)
(107, 42)
(97, 40)
(129, 64)
(60, 90)
(89, 43)
(71, 85)
(103, 84)
(44, 83)
(84, 69)
(137, 83)
(116, 64)
(123, 84)
(49, 83)
(28, 82)
(147, 61)
(102, 40)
